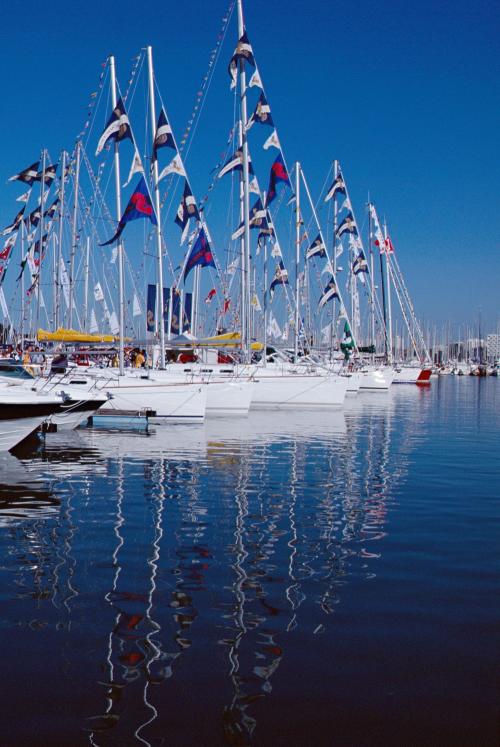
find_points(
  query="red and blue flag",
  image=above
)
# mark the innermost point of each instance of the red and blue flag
(139, 206)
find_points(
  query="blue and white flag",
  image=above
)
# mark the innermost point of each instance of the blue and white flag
(27, 175)
(163, 137)
(257, 219)
(51, 210)
(117, 127)
(200, 254)
(338, 187)
(280, 278)
(243, 51)
(329, 293)
(187, 209)
(348, 225)
(317, 248)
(360, 264)
(262, 113)
(272, 141)
(235, 163)
(15, 223)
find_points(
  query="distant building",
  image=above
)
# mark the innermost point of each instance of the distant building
(493, 347)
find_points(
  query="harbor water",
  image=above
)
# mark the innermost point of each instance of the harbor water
(282, 579)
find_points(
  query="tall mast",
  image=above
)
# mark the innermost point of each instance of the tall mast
(389, 304)
(297, 258)
(335, 226)
(86, 287)
(246, 194)
(152, 112)
(372, 279)
(265, 294)
(57, 320)
(74, 238)
(40, 256)
(121, 283)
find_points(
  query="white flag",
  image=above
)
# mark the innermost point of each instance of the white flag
(327, 268)
(338, 251)
(276, 250)
(113, 323)
(254, 186)
(136, 167)
(98, 294)
(272, 141)
(3, 304)
(174, 167)
(256, 303)
(136, 309)
(93, 323)
(64, 281)
(273, 328)
(325, 333)
(346, 205)
(231, 270)
(114, 255)
(255, 80)
(24, 197)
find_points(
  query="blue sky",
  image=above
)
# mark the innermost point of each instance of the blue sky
(405, 95)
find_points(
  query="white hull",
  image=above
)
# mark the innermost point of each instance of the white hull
(168, 401)
(12, 432)
(354, 382)
(297, 391)
(406, 375)
(229, 397)
(377, 379)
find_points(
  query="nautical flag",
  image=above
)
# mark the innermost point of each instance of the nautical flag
(187, 209)
(280, 278)
(385, 245)
(253, 186)
(7, 247)
(28, 175)
(267, 229)
(257, 219)
(211, 294)
(348, 225)
(243, 51)
(255, 302)
(317, 248)
(93, 323)
(136, 167)
(272, 141)
(276, 250)
(136, 307)
(49, 176)
(174, 167)
(15, 223)
(278, 174)
(338, 187)
(117, 127)
(346, 205)
(233, 266)
(255, 80)
(347, 343)
(34, 217)
(36, 250)
(235, 163)
(24, 197)
(329, 293)
(389, 246)
(201, 254)
(163, 137)
(51, 210)
(273, 328)
(261, 114)
(360, 264)
(139, 206)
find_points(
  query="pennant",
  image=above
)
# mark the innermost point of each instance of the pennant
(346, 205)
(28, 175)
(273, 328)
(235, 163)
(34, 217)
(174, 167)
(136, 308)
(233, 266)
(253, 186)
(139, 206)
(117, 127)
(255, 80)
(329, 293)
(317, 248)
(276, 250)
(7, 247)
(163, 137)
(93, 323)
(15, 223)
(257, 218)
(136, 167)
(360, 264)
(272, 141)
(3, 304)
(348, 225)
(211, 294)
(243, 51)
(327, 268)
(24, 197)
(278, 174)
(187, 209)
(339, 251)
(64, 281)
(280, 278)
(52, 209)
(201, 254)
(255, 302)
(338, 187)
(49, 176)
(98, 293)
(262, 113)
(113, 323)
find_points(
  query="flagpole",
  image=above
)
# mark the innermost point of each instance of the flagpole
(86, 286)
(74, 238)
(297, 258)
(265, 292)
(246, 196)
(152, 111)
(389, 303)
(42, 204)
(121, 283)
(23, 300)
(335, 226)
(59, 248)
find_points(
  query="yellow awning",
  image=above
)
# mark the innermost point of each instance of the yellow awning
(227, 340)
(72, 335)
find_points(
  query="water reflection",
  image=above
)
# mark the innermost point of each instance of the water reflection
(198, 558)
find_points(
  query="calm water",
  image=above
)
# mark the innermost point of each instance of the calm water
(286, 580)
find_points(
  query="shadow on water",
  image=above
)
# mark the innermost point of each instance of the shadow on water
(215, 584)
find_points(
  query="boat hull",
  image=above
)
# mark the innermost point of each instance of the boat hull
(297, 391)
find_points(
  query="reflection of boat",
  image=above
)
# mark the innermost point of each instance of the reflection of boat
(22, 412)
(22, 495)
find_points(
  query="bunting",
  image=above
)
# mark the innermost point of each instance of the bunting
(139, 206)
(174, 167)
(348, 225)
(280, 278)
(317, 248)
(257, 219)
(187, 209)
(163, 137)
(262, 113)
(360, 264)
(235, 163)
(28, 175)
(15, 223)
(200, 255)
(278, 174)
(117, 127)
(329, 293)
(243, 51)
(338, 187)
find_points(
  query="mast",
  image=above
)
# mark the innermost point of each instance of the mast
(297, 258)
(372, 280)
(335, 226)
(152, 111)
(389, 304)
(265, 293)
(86, 286)
(60, 239)
(74, 238)
(121, 283)
(40, 256)
(246, 195)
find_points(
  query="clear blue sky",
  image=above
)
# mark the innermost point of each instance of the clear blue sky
(406, 95)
